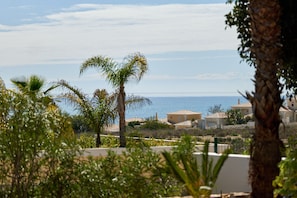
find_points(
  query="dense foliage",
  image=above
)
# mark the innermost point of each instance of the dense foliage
(155, 125)
(235, 117)
(240, 18)
(33, 135)
(286, 182)
(39, 157)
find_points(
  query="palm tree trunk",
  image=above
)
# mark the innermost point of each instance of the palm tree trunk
(98, 139)
(266, 101)
(122, 110)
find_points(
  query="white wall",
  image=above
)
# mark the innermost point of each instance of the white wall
(96, 152)
(234, 174)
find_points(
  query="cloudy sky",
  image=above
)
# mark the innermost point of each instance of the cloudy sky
(189, 51)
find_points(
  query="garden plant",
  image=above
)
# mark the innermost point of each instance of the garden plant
(199, 179)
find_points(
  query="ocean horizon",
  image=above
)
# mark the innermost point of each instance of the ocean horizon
(162, 105)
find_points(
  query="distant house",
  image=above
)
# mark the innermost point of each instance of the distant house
(286, 114)
(183, 115)
(245, 108)
(183, 125)
(216, 120)
(134, 120)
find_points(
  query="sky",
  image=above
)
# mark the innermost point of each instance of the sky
(188, 48)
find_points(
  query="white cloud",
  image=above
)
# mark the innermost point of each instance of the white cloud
(85, 30)
(202, 76)
(219, 76)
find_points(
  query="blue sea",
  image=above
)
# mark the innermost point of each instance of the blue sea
(163, 105)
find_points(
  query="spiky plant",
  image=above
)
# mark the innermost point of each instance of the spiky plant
(198, 179)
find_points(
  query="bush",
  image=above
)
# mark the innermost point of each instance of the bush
(286, 182)
(86, 140)
(235, 117)
(110, 141)
(137, 173)
(79, 124)
(240, 146)
(133, 124)
(40, 158)
(155, 125)
(35, 141)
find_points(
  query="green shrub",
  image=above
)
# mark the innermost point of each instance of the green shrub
(240, 146)
(133, 124)
(98, 177)
(136, 173)
(39, 157)
(286, 182)
(86, 140)
(35, 141)
(235, 117)
(110, 141)
(141, 175)
(60, 169)
(79, 124)
(155, 125)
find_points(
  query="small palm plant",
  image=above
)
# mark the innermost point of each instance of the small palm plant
(199, 179)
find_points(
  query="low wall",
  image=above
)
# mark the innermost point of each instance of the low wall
(234, 174)
(104, 151)
(96, 152)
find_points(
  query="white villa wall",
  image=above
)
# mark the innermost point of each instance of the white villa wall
(96, 152)
(234, 174)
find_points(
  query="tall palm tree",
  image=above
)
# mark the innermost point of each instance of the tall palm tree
(259, 27)
(266, 101)
(134, 66)
(99, 111)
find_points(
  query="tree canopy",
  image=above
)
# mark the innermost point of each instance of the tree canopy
(240, 18)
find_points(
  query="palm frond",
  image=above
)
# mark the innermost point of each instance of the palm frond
(218, 166)
(205, 163)
(192, 170)
(135, 102)
(99, 110)
(77, 99)
(135, 65)
(2, 84)
(185, 176)
(107, 65)
(210, 173)
(35, 83)
(20, 82)
(175, 168)
(50, 89)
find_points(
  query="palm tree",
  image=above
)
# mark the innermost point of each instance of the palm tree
(259, 26)
(33, 87)
(99, 111)
(134, 66)
(266, 101)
